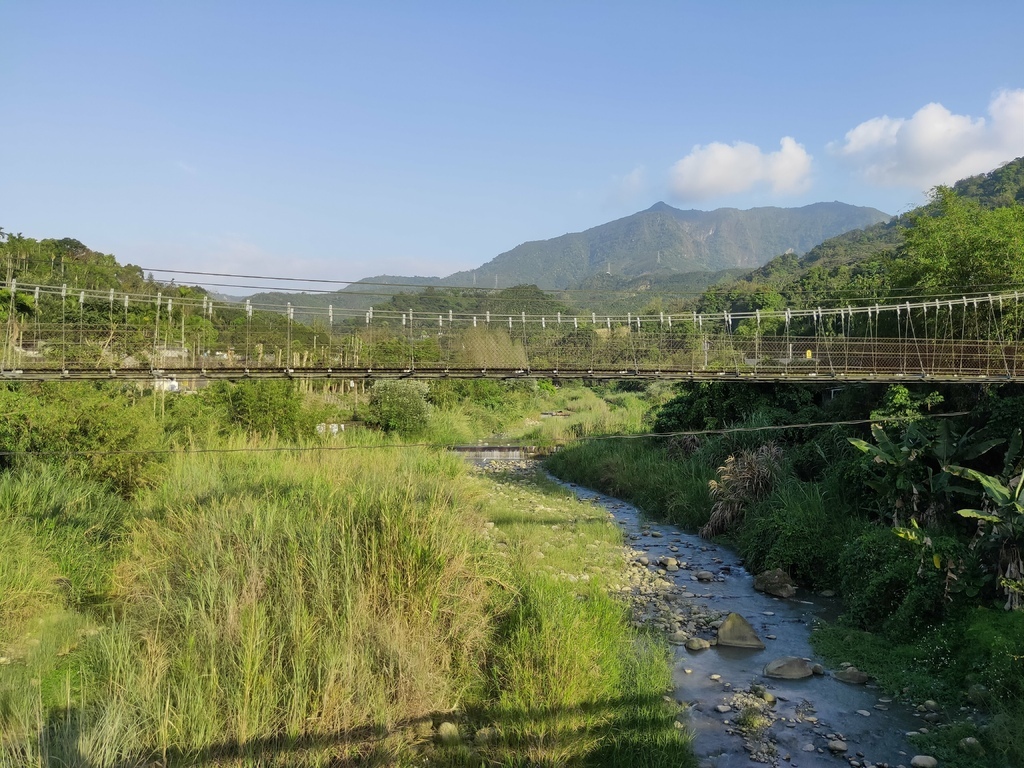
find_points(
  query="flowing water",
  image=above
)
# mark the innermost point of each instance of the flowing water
(810, 712)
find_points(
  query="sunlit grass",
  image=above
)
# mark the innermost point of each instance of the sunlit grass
(310, 607)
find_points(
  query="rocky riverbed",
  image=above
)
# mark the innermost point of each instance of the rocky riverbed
(745, 674)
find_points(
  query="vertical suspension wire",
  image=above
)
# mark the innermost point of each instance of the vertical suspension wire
(330, 336)
(900, 347)
(630, 341)
(912, 334)
(788, 339)
(951, 332)
(36, 313)
(978, 344)
(661, 356)
(9, 333)
(1000, 338)
(828, 334)
(526, 348)
(869, 340)
(963, 336)
(369, 345)
(593, 341)
(847, 338)
(757, 340)
(1016, 323)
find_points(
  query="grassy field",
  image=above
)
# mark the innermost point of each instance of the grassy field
(373, 604)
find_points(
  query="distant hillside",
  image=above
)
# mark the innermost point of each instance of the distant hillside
(664, 239)
(368, 292)
(853, 263)
(646, 252)
(669, 292)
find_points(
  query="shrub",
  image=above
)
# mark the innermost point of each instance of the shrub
(399, 406)
(800, 529)
(265, 408)
(97, 431)
(887, 587)
(742, 480)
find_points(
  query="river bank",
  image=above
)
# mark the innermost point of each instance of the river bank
(685, 587)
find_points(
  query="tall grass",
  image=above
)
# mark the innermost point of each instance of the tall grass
(802, 528)
(582, 413)
(274, 596)
(289, 607)
(640, 470)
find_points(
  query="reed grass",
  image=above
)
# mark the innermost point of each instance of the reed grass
(314, 608)
(640, 470)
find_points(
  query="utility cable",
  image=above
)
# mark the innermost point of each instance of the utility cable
(449, 446)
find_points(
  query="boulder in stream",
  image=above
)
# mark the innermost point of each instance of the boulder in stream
(789, 668)
(776, 582)
(737, 633)
(852, 675)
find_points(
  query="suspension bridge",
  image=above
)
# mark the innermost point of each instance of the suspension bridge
(63, 333)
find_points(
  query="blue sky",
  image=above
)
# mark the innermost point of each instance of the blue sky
(343, 140)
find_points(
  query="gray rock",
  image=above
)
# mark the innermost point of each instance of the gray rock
(776, 582)
(923, 761)
(723, 708)
(852, 675)
(705, 576)
(837, 746)
(448, 734)
(697, 644)
(789, 668)
(971, 746)
(736, 632)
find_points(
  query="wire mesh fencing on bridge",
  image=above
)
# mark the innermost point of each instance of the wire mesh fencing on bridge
(54, 332)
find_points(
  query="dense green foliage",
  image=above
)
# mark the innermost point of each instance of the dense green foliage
(399, 406)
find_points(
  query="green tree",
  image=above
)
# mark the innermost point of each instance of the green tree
(955, 243)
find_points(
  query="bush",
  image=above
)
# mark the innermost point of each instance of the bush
(888, 588)
(399, 406)
(712, 405)
(265, 407)
(97, 431)
(801, 530)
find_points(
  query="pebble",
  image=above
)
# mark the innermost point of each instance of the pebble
(923, 761)
(723, 708)
(837, 745)
(863, 713)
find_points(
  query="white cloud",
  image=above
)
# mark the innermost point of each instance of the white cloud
(717, 169)
(935, 146)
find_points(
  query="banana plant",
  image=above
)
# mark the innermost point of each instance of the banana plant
(913, 477)
(1001, 521)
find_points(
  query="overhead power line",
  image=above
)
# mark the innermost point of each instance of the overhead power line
(449, 446)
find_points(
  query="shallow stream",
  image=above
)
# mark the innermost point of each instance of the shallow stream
(810, 712)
